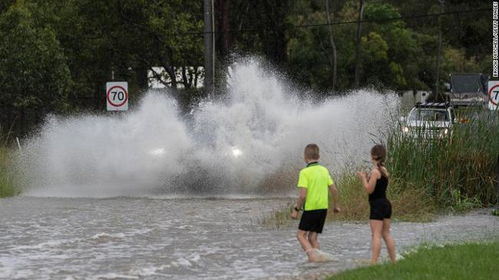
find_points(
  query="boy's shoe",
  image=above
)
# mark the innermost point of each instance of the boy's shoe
(321, 256)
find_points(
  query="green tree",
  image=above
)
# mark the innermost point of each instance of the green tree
(310, 51)
(402, 68)
(34, 77)
(260, 28)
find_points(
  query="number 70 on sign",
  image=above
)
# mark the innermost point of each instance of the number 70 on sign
(117, 96)
(494, 96)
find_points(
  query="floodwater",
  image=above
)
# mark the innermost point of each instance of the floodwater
(195, 238)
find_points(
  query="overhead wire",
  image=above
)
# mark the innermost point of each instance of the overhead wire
(480, 10)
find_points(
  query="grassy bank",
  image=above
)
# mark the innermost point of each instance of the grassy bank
(464, 261)
(7, 186)
(409, 204)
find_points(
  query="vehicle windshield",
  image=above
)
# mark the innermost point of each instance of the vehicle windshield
(429, 115)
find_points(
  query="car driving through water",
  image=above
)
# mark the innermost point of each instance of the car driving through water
(429, 121)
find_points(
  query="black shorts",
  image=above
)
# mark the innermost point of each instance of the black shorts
(313, 220)
(380, 209)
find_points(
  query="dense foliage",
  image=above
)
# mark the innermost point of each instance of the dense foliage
(55, 56)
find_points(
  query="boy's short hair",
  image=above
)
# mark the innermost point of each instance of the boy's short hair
(312, 152)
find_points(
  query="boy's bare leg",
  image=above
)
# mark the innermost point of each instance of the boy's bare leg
(376, 232)
(305, 244)
(387, 236)
(313, 238)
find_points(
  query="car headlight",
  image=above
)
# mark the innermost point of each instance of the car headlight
(236, 152)
(157, 152)
(444, 132)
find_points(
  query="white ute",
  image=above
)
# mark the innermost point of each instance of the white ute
(429, 121)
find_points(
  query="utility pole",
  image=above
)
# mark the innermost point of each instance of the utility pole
(357, 44)
(209, 46)
(333, 45)
(437, 78)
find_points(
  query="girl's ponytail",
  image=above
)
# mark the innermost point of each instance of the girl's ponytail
(378, 152)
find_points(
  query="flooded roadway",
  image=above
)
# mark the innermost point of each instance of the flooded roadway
(144, 238)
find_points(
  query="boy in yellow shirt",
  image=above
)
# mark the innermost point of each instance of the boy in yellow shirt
(314, 185)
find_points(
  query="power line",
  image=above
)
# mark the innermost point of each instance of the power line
(342, 22)
(396, 18)
(350, 22)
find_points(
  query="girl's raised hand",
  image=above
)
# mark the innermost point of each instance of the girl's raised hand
(362, 174)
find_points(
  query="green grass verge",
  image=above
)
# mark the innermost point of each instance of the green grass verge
(7, 184)
(464, 261)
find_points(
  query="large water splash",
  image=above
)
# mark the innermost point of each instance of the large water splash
(249, 142)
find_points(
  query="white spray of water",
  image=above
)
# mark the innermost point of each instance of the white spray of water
(249, 142)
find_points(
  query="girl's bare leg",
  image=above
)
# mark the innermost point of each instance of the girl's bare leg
(376, 233)
(390, 244)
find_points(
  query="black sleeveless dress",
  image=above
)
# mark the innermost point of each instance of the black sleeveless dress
(381, 208)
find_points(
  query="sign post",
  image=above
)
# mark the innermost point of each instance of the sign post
(117, 96)
(493, 95)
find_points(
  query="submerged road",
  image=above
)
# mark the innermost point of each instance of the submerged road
(153, 238)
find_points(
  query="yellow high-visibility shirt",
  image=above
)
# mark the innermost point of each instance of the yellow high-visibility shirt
(316, 179)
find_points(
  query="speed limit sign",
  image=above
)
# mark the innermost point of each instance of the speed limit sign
(117, 96)
(493, 95)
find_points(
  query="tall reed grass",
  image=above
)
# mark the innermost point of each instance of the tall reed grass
(458, 172)
(7, 183)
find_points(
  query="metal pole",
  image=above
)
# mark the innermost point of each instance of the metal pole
(497, 180)
(209, 45)
(437, 78)
(213, 57)
(333, 45)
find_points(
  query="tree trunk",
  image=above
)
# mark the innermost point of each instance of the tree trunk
(209, 46)
(141, 75)
(173, 76)
(185, 80)
(357, 44)
(224, 37)
(274, 39)
(331, 39)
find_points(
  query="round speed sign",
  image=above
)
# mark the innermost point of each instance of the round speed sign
(117, 96)
(494, 94)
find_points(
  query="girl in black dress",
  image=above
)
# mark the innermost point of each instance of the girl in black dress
(376, 184)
